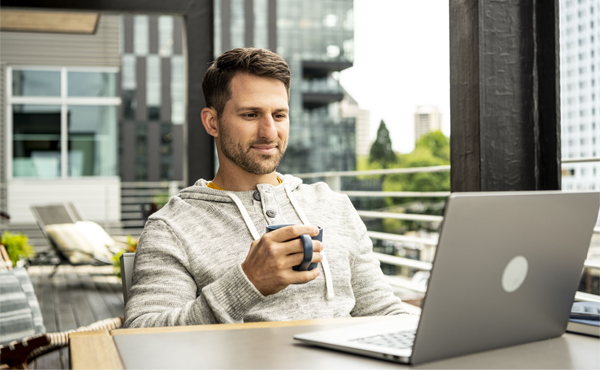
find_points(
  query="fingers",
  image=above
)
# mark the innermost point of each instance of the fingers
(291, 232)
(302, 277)
(296, 258)
(269, 263)
(291, 247)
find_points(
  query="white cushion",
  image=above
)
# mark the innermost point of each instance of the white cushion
(97, 237)
(72, 244)
(81, 241)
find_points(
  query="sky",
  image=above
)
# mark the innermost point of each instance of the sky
(401, 61)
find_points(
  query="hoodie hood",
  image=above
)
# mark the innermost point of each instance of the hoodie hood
(201, 191)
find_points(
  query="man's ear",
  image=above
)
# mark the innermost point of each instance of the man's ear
(210, 121)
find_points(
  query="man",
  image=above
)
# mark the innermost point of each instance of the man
(205, 258)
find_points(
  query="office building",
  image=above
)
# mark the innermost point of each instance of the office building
(427, 119)
(58, 122)
(152, 91)
(316, 37)
(349, 108)
(580, 91)
(89, 111)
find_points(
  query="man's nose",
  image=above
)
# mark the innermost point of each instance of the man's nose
(267, 128)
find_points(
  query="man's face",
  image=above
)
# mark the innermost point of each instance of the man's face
(254, 127)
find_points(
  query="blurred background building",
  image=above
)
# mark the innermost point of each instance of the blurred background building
(580, 91)
(152, 92)
(60, 102)
(316, 37)
(349, 108)
(427, 119)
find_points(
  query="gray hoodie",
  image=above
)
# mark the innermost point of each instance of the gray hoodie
(187, 268)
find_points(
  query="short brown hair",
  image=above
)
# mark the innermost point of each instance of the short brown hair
(216, 84)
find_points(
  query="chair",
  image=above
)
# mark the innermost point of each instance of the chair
(23, 335)
(126, 273)
(75, 241)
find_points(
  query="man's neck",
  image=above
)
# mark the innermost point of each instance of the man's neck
(242, 180)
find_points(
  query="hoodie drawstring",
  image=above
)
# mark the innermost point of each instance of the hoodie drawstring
(256, 235)
(245, 215)
(324, 263)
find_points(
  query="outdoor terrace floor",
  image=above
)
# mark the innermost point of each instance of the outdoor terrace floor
(74, 297)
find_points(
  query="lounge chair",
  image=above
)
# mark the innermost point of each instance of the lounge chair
(75, 241)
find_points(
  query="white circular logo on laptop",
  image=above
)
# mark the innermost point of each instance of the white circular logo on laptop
(514, 274)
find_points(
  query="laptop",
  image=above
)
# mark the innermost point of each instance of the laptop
(506, 270)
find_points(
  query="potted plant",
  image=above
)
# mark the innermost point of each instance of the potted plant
(17, 248)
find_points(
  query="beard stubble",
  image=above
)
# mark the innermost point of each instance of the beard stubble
(243, 157)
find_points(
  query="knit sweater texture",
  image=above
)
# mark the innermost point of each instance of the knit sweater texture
(187, 268)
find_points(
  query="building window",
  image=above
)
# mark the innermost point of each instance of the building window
(63, 122)
(140, 31)
(177, 90)
(165, 35)
(261, 24)
(153, 87)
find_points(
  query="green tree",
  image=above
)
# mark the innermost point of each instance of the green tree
(381, 150)
(437, 143)
(432, 149)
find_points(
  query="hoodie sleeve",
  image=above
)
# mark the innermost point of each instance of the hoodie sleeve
(163, 292)
(373, 295)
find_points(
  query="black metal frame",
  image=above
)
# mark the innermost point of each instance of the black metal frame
(198, 48)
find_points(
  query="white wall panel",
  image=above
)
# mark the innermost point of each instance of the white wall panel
(97, 199)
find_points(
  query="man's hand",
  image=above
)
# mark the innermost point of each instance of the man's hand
(271, 258)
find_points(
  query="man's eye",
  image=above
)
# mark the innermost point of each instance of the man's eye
(250, 115)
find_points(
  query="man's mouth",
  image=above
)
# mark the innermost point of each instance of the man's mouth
(265, 148)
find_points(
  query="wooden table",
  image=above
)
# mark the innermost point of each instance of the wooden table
(270, 345)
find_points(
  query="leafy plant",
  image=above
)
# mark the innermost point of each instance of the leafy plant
(17, 247)
(131, 247)
(161, 199)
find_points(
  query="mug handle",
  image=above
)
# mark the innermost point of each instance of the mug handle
(308, 253)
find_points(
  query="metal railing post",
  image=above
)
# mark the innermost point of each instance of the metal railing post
(334, 182)
(173, 188)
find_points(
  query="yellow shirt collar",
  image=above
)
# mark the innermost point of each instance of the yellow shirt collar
(212, 185)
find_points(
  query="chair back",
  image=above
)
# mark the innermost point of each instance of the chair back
(126, 273)
(62, 213)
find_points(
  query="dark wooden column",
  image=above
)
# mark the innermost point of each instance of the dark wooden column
(199, 34)
(505, 95)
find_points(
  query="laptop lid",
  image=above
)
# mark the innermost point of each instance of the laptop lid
(505, 272)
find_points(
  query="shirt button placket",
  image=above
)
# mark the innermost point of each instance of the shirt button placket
(270, 205)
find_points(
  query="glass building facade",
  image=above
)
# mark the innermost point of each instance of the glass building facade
(152, 90)
(316, 38)
(580, 92)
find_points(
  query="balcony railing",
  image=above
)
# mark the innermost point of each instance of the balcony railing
(333, 179)
(137, 199)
